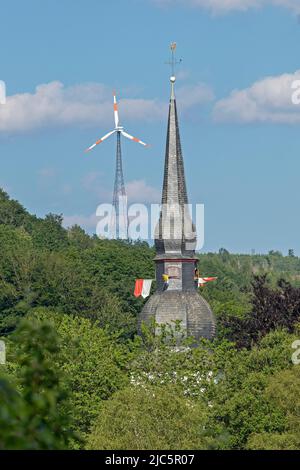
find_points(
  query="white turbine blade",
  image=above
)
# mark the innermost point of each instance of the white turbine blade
(99, 141)
(116, 113)
(133, 138)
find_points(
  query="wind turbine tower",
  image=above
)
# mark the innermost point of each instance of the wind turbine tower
(119, 218)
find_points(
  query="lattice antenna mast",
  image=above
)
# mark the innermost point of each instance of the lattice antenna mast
(119, 220)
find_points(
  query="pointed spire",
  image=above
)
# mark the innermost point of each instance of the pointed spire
(175, 225)
(174, 187)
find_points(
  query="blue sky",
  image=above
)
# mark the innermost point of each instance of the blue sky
(239, 129)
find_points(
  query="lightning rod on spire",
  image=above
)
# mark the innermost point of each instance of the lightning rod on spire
(173, 62)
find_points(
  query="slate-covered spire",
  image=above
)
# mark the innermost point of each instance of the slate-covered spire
(176, 297)
(174, 187)
(175, 233)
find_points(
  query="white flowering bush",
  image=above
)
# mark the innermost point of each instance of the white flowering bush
(193, 368)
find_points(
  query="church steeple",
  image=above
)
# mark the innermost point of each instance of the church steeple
(175, 234)
(176, 296)
(174, 187)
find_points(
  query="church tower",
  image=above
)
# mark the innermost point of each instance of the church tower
(176, 296)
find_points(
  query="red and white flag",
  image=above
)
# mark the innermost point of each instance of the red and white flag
(204, 280)
(142, 287)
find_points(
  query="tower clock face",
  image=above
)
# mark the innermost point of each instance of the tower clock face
(174, 271)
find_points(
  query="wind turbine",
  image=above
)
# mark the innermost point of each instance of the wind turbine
(119, 197)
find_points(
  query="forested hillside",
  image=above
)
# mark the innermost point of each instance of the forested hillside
(77, 376)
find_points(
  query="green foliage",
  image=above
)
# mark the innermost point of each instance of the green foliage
(49, 233)
(16, 260)
(282, 391)
(75, 364)
(42, 264)
(12, 213)
(271, 309)
(78, 238)
(29, 416)
(92, 362)
(240, 401)
(116, 264)
(145, 418)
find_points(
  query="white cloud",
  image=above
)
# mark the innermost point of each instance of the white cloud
(89, 104)
(224, 6)
(138, 191)
(267, 100)
(194, 95)
(53, 104)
